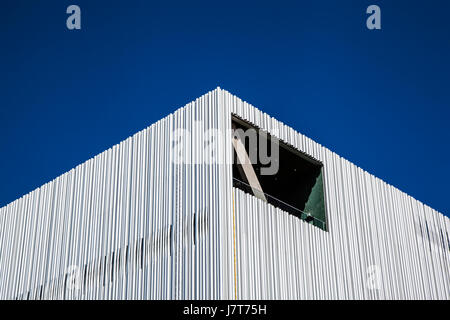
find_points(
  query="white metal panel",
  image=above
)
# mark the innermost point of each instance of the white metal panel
(371, 224)
(133, 224)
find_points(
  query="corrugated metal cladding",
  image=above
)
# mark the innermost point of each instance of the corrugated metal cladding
(131, 223)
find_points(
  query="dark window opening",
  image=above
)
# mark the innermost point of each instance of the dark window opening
(297, 185)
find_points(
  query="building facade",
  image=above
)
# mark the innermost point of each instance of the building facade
(168, 214)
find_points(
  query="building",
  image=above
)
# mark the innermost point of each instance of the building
(170, 214)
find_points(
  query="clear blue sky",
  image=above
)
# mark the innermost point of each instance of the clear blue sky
(381, 98)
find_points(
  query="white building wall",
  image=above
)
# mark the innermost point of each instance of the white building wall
(133, 224)
(374, 231)
(123, 223)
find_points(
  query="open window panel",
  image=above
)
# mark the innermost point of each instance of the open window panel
(296, 187)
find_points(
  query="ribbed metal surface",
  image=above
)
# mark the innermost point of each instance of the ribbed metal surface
(129, 222)
(133, 224)
(375, 231)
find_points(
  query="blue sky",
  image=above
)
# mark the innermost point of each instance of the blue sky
(379, 98)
